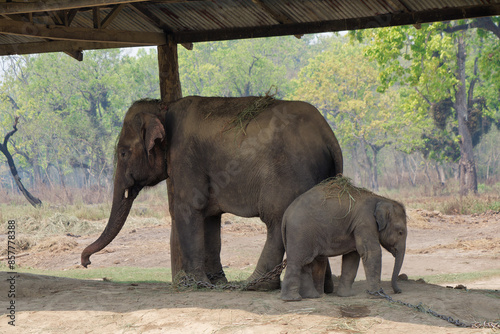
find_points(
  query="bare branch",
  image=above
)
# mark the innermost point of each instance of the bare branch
(485, 23)
(423, 96)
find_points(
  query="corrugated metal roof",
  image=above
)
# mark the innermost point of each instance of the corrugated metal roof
(190, 21)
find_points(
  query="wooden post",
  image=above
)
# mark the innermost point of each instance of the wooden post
(170, 90)
(168, 65)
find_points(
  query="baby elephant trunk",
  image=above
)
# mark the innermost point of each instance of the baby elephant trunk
(398, 263)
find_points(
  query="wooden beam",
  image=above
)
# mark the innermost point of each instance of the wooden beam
(396, 19)
(78, 55)
(55, 18)
(55, 46)
(96, 17)
(51, 5)
(68, 17)
(81, 34)
(112, 15)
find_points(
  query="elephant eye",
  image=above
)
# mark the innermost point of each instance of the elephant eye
(401, 233)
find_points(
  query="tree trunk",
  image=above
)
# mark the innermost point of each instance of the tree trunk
(356, 166)
(13, 170)
(408, 167)
(440, 173)
(398, 171)
(467, 164)
(366, 164)
(374, 173)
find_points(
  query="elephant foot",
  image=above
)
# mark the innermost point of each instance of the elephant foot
(183, 279)
(263, 286)
(290, 296)
(217, 278)
(344, 292)
(310, 294)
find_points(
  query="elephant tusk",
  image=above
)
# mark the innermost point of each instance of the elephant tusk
(126, 193)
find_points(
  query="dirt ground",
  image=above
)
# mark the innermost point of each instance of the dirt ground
(437, 244)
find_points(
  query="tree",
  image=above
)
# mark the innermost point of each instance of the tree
(71, 111)
(342, 84)
(440, 62)
(243, 67)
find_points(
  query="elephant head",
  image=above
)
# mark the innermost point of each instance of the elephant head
(391, 221)
(140, 161)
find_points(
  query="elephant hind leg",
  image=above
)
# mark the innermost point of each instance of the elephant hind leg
(271, 256)
(291, 283)
(307, 285)
(213, 265)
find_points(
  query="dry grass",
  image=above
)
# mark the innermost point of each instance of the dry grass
(485, 244)
(339, 186)
(417, 220)
(56, 244)
(243, 118)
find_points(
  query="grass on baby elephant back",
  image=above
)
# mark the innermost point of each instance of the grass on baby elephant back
(340, 186)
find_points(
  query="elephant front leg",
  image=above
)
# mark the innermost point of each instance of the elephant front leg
(372, 262)
(350, 265)
(213, 266)
(370, 251)
(189, 224)
(175, 247)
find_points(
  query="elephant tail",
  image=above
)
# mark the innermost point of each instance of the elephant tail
(336, 155)
(283, 230)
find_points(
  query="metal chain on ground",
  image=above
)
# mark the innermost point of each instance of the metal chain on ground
(269, 276)
(421, 308)
(189, 281)
(215, 276)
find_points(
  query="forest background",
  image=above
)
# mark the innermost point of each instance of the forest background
(391, 96)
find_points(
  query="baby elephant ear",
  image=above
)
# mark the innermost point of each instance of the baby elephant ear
(382, 214)
(153, 130)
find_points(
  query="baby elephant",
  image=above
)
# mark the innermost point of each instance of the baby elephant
(337, 218)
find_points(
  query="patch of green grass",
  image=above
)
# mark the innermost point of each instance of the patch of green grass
(459, 278)
(125, 275)
(236, 275)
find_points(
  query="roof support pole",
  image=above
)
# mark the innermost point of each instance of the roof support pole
(170, 90)
(168, 66)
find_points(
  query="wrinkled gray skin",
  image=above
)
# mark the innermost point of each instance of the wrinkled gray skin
(316, 227)
(213, 168)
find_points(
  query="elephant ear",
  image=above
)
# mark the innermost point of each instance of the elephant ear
(382, 214)
(153, 130)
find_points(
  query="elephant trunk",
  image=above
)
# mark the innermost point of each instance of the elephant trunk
(122, 202)
(398, 263)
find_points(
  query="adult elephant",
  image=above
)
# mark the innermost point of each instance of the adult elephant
(249, 156)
